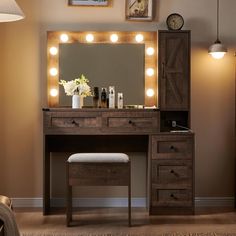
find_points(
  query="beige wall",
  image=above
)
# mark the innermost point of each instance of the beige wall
(23, 90)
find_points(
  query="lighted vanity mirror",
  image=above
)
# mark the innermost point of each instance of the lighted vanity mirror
(126, 60)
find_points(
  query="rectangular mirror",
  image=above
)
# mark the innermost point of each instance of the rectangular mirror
(119, 65)
(126, 60)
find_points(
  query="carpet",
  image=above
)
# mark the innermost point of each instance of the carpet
(165, 234)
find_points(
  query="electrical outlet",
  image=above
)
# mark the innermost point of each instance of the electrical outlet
(173, 123)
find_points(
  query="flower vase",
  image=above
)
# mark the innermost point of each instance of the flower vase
(77, 101)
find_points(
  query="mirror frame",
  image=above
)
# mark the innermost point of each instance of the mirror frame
(54, 38)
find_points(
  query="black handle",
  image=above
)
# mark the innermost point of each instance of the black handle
(173, 196)
(130, 122)
(74, 122)
(172, 171)
(172, 147)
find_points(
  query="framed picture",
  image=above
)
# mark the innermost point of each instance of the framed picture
(140, 10)
(99, 3)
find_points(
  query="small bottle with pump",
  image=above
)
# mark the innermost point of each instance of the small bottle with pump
(95, 97)
(111, 97)
(120, 101)
(104, 98)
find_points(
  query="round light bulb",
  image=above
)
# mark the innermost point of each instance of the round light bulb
(53, 51)
(139, 38)
(53, 71)
(89, 38)
(150, 51)
(150, 72)
(64, 38)
(150, 93)
(114, 38)
(217, 55)
(53, 92)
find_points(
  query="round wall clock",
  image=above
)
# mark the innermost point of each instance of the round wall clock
(175, 21)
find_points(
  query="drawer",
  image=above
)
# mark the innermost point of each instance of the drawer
(171, 197)
(172, 146)
(69, 122)
(172, 174)
(143, 122)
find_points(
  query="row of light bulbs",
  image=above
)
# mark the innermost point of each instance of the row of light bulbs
(114, 38)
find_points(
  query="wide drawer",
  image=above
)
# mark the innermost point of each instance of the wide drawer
(137, 122)
(171, 197)
(172, 174)
(172, 147)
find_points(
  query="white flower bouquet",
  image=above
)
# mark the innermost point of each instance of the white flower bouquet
(78, 86)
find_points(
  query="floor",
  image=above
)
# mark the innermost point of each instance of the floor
(113, 221)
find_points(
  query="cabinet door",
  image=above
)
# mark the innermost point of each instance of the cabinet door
(174, 70)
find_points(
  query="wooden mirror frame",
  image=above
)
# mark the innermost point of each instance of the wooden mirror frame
(54, 38)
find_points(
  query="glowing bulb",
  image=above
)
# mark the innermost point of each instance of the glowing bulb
(53, 51)
(89, 38)
(218, 55)
(150, 51)
(150, 71)
(139, 38)
(150, 93)
(114, 38)
(53, 92)
(64, 38)
(53, 71)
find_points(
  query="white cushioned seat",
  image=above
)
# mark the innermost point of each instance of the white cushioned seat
(99, 157)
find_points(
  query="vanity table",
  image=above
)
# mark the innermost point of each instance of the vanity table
(169, 149)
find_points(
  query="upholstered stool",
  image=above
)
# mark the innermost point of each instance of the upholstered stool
(97, 169)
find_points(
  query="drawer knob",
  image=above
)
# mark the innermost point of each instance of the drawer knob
(173, 196)
(130, 122)
(172, 147)
(74, 122)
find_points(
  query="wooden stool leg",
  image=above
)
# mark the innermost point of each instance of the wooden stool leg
(69, 206)
(129, 196)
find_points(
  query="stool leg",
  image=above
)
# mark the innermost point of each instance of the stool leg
(69, 206)
(129, 196)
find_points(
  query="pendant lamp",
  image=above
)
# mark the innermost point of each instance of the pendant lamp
(10, 11)
(217, 50)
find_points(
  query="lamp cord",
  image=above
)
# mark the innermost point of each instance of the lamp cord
(218, 16)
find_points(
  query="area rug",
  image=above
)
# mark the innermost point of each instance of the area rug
(165, 234)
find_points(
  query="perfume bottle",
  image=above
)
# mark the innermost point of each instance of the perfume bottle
(120, 101)
(95, 97)
(104, 98)
(111, 97)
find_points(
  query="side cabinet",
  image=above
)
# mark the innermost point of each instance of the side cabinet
(172, 174)
(174, 70)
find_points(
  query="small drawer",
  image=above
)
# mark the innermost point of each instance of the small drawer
(70, 122)
(172, 174)
(169, 147)
(171, 197)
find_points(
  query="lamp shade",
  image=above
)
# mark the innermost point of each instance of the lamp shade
(217, 50)
(10, 11)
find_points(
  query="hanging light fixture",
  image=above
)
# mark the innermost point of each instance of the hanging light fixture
(10, 11)
(217, 50)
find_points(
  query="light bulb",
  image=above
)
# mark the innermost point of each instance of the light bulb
(53, 51)
(53, 92)
(150, 93)
(114, 38)
(53, 71)
(217, 55)
(150, 51)
(89, 38)
(139, 38)
(64, 38)
(150, 72)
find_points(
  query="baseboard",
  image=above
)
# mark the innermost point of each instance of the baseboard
(118, 202)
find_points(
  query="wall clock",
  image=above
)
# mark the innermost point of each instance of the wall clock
(175, 21)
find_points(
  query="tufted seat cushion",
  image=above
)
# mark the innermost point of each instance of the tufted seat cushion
(99, 157)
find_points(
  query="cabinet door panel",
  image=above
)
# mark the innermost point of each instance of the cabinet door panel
(174, 70)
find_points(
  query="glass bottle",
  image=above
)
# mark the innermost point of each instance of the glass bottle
(104, 98)
(95, 97)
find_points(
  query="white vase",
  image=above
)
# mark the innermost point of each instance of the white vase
(77, 101)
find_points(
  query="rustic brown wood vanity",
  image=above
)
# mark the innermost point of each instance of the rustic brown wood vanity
(170, 150)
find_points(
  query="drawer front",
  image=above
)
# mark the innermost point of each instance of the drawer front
(96, 174)
(171, 197)
(172, 147)
(172, 174)
(70, 122)
(135, 122)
